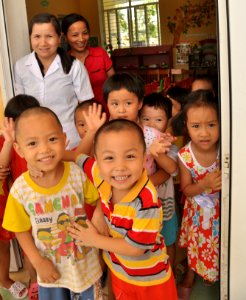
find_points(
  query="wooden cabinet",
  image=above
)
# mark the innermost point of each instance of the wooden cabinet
(143, 59)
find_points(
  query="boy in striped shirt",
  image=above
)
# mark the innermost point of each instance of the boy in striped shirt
(134, 250)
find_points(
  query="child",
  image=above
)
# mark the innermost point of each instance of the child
(155, 113)
(17, 289)
(199, 163)
(123, 93)
(79, 119)
(48, 204)
(204, 82)
(134, 251)
(13, 109)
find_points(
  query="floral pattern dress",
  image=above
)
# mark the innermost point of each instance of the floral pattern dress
(200, 223)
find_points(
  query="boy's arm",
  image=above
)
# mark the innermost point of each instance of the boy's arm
(166, 163)
(9, 136)
(94, 119)
(91, 238)
(159, 177)
(44, 267)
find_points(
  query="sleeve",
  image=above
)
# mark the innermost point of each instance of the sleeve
(15, 217)
(107, 61)
(19, 89)
(81, 81)
(146, 224)
(90, 192)
(86, 163)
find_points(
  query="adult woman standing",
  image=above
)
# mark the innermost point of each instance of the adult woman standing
(49, 74)
(76, 29)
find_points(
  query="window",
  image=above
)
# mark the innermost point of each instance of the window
(131, 23)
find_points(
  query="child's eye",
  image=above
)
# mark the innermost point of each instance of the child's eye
(81, 124)
(128, 103)
(145, 119)
(158, 120)
(212, 124)
(53, 139)
(31, 144)
(130, 156)
(108, 158)
(114, 104)
(195, 126)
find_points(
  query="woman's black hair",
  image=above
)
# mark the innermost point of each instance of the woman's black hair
(66, 59)
(18, 104)
(157, 100)
(131, 82)
(70, 19)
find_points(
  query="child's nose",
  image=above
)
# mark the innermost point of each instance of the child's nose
(122, 108)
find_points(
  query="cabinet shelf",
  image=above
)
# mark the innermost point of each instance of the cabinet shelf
(143, 59)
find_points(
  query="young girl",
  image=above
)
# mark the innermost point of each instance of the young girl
(154, 116)
(55, 79)
(199, 163)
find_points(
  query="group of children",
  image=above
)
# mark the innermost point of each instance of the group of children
(124, 173)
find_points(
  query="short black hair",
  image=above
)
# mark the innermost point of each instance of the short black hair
(178, 94)
(85, 105)
(119, 125)
(18, 104)
(157, 100)
(124, 80)
(35, 111)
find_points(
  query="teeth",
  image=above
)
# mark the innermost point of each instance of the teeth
(120, 178)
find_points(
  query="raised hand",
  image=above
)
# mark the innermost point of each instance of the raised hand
(8, 130)
(94, 117)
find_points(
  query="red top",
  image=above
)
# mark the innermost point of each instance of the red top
(98, 64)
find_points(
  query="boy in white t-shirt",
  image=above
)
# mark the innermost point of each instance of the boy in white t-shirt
(47, 205)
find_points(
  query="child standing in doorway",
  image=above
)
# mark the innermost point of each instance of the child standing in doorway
(154, 114)
(48, 204)
(199, 163)
(135, 250)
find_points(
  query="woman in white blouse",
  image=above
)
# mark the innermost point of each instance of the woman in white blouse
(57, 80)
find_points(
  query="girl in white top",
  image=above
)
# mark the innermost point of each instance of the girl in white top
(49, 74)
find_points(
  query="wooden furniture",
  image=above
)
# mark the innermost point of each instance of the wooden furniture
(152, 63)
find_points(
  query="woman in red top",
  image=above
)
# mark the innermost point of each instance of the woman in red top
(76, 29)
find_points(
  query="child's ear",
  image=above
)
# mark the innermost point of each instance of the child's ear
(140, 104)
(18, 149)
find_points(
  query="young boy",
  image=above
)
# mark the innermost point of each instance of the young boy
(48, 204)
(134, 251)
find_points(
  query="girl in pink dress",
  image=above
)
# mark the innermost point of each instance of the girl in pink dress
(199, 163)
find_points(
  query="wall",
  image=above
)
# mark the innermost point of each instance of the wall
(168, 8)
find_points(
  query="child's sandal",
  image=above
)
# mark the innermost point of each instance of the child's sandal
(18, 290)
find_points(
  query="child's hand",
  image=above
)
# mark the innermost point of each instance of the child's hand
(34, 172)
(212, 181)
(8, 130)
(94, 117)
(47, 271)
(84, 236)
(4, 172)
(159, 146)
(168, 137)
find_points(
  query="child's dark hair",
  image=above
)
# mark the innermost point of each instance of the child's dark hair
(194, 99)
(178, 94)
(85, 105)
(19, 104)
(66, 60)
(157, 100)
(35, 111)
(211, 80)
(131, 82)
(118, 125)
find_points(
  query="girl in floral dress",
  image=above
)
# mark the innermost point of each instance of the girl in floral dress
(199, 163)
